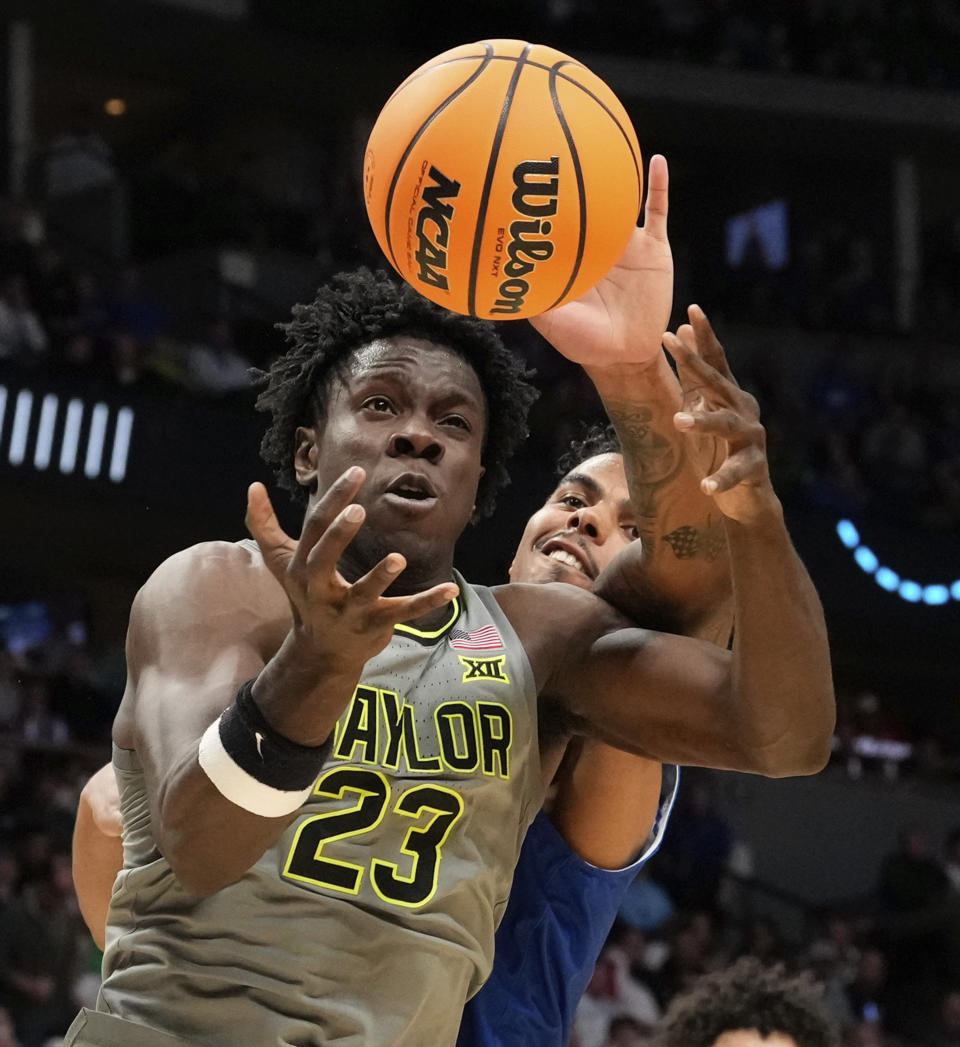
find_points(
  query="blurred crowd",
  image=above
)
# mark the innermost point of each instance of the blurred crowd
(908, 43)
(871, 422)
(855, 430)
(889, 963)
(911, 42)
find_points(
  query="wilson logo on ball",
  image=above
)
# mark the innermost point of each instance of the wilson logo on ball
(431, 253)
(537, 200)
(548, 179)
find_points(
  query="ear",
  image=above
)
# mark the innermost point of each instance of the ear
(305, 457)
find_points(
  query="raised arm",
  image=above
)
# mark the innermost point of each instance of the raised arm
(768, 705)
(679, 579)
(217, 616)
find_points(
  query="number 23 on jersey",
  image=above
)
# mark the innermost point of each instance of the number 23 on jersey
(410, 882)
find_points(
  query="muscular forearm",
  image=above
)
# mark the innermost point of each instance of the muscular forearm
(208, 837)
(782, 703)
(683, 572)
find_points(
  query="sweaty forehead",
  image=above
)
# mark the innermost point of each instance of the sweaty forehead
(415, 360)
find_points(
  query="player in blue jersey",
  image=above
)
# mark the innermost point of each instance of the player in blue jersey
(611, 806)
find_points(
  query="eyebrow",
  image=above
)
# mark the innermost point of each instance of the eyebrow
(582, 480)
(586, 481)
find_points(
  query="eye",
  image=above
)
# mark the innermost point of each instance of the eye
(457, 421)
(380, 404)
(574, 501)
(632, 531)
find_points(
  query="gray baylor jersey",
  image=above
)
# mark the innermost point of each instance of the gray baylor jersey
(372, 919)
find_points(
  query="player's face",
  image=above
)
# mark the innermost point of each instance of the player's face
(413, 415)
(582, 526)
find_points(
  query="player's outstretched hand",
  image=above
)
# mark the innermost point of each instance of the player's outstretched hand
(622, 319)
(722, 423)
(337, 625)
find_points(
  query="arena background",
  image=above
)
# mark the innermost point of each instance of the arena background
(176, 175)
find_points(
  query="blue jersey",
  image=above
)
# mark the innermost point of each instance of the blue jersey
(560, 912)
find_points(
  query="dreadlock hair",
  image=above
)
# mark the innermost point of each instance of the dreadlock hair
(595, 439)
(350, 312)
(747, 996)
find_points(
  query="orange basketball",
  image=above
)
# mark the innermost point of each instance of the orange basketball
(502, 179)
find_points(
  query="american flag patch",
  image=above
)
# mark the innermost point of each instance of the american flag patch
(483, 639)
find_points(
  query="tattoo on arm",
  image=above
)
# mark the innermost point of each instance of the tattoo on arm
(690, 543)
(654, 459)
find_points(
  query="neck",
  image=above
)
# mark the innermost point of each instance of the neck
(425, 567)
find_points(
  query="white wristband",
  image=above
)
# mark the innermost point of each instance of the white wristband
(240, 787)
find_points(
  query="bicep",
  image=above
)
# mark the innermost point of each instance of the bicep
(190, 645)
(606, 803)
(653, 694)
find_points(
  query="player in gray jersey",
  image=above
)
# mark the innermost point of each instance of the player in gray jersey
(279, 894)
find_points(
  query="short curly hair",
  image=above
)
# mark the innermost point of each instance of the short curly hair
(355, 309)
(748, 995)
(595, 439)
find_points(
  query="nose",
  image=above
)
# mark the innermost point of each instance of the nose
(415, 441)
(587, 521)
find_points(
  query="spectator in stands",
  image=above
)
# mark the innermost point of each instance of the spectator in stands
(693, 856)
(918, 926)
(38, 953)
(686, 960)
(613, 992)
(50, 286)
(866, 994)
(743, 1006)
(11, 695)
(215, 366)
(623, 1032)
(39, 724)
(128, 308)
(22, 336)
(78, 159)
(764, 941)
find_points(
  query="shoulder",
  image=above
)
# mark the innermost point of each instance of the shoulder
(210, 589)
(215, 571)
(555, 622)
(210, 611)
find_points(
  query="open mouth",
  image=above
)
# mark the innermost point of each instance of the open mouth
(413, 487)
(568, 555)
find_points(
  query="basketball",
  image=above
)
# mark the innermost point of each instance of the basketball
(502, 179)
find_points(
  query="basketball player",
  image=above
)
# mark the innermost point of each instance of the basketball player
(288, 882)
(749, 1005)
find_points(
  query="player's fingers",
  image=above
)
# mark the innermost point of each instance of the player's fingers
(724, 423)
(262, 523)
(379, 578)
(693, 371)
(746, 466)
(708, 345)
(655, 210)
(408, 608)
(326, 509)
(322, 559)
